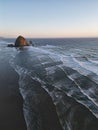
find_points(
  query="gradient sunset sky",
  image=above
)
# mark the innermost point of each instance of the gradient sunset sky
(49, 18)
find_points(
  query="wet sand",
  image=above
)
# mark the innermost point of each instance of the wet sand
(11, 102)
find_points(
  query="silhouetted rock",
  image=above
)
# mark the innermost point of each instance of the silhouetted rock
(10, 45)
(30, 43)
(21, 41)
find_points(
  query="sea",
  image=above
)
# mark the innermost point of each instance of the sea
(66, 70)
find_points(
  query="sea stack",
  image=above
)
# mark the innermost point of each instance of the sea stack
(21, 41)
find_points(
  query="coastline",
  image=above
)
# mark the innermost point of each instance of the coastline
(11, 102)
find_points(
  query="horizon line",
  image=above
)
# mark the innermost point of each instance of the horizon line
(51, 37)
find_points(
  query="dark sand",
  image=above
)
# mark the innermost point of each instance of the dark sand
(41, 107)
(11, 102)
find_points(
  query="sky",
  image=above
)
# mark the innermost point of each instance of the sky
(49, 18)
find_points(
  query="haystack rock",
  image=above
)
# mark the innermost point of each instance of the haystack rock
(21, 41)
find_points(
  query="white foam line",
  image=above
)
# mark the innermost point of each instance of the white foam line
(79, 87)
(87, 65)
(68, 61)
(83, 93)
(93, 61)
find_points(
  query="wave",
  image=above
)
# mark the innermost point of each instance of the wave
(59, 75)
(85, 63)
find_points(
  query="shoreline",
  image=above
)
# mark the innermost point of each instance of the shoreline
(11, 102)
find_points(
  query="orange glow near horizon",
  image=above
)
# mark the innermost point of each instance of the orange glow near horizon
(52, 35)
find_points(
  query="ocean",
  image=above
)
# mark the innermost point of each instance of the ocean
(58, 80)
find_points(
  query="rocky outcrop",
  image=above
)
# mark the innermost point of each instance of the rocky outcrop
(21, 41)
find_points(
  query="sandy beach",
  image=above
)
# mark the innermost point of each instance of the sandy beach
(11, 102)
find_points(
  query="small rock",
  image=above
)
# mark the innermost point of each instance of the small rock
(10, 45)
(30, 43)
